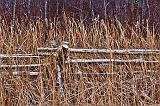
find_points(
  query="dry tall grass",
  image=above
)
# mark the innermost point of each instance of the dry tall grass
(84, 84)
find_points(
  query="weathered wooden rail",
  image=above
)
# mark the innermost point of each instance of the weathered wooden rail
(105, 51)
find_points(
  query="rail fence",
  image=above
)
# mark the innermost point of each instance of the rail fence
(63, 50)
(62, 58)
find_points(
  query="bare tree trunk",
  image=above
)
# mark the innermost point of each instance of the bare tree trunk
(28, 7)
(57, 12)
(13, 15)
(81, 9)
(64, 5)
(46, 13)
(46, 21)
(105, 9)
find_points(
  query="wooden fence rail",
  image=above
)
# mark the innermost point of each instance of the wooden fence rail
(114, 61)
(6, 56)
(19, 66)
(105, 51)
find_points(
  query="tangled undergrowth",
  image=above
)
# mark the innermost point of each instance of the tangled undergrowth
(84, 84)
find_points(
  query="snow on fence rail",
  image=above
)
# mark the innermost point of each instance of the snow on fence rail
(105, 51)
(116, 51)
(19, 66)
(6, 56)
(28, 73)
(114, 61)
(22, 56)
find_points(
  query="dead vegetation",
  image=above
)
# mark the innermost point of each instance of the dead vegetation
(83, 83)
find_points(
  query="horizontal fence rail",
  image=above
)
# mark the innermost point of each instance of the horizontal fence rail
(20, 66)
(22, 56)
(6, 56)
(116, 51)
(105, 51)
(26, 73)
(115, 61)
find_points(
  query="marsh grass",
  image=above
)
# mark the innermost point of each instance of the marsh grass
(84, 84)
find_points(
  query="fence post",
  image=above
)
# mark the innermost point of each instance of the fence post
(60, 65)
